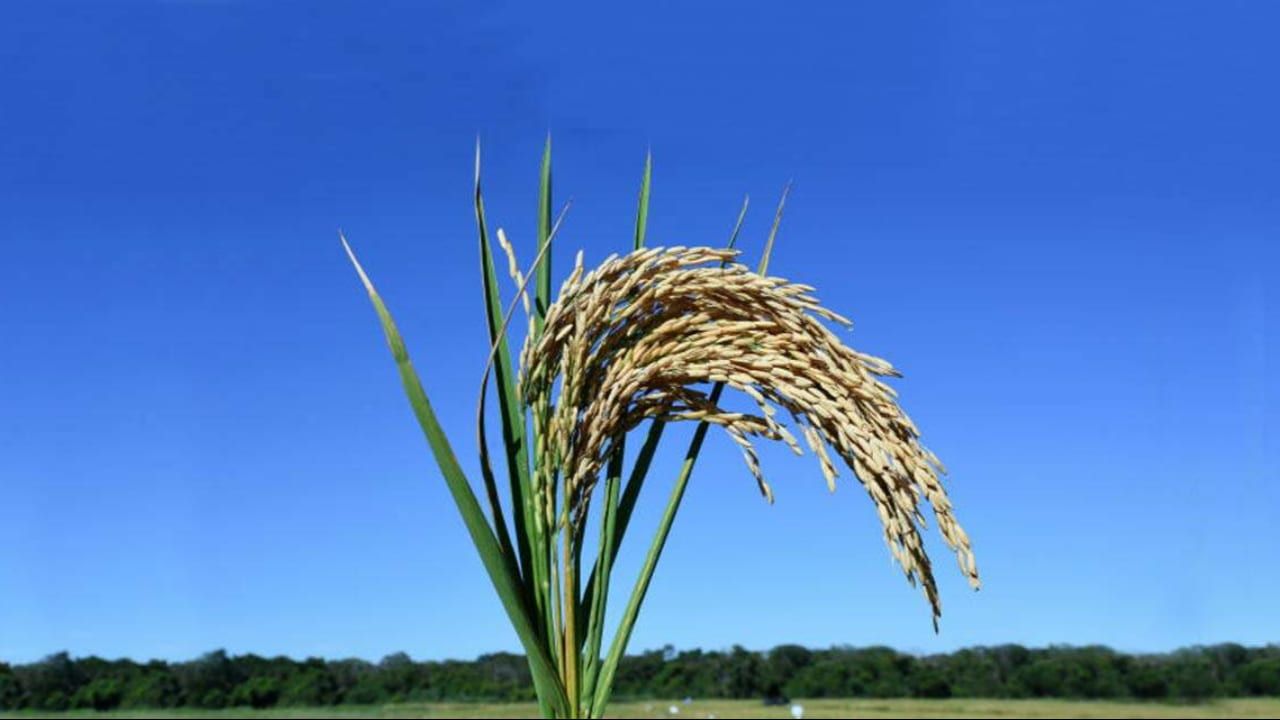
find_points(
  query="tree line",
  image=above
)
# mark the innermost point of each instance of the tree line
(216, 679)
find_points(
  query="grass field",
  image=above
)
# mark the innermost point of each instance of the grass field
(1242, 708)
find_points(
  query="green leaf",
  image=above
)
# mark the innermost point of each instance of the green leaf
(504, 580)
(512, 410)
(773, 232)
(542, 288)
(545, 578)
(642, 212)
(598, 592)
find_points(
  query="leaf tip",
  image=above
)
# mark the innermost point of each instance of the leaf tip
(351, 255)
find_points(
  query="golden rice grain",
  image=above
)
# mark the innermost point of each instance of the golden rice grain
(634, 338)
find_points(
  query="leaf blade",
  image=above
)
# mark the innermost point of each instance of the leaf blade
(512, 410)
(542, 286)
(505, 583)
(642, 210)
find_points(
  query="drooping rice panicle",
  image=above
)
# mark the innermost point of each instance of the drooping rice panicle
(631, 340)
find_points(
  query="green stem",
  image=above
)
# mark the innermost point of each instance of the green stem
(569, 656)
(604, 684)
(599, 591)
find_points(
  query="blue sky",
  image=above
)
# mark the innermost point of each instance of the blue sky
(1060, 220)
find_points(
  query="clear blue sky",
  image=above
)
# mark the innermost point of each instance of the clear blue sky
(1059, 219)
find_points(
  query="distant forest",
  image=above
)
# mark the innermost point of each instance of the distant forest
(218, 680)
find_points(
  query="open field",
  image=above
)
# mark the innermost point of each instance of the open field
(1245, 708)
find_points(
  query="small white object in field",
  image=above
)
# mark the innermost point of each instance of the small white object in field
(687, 700)
(797, 711)
(673, 710)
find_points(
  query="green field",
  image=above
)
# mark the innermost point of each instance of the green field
(1240, 708)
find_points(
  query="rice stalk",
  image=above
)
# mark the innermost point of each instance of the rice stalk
(632, 341)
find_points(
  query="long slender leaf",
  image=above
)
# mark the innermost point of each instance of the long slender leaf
(642, 211)
(737, 225)
(544, 570)
(773, 231)
(504, 580)
(599, 591)
(590, 625)
(512, 409)
(542, 288)
(655, 427)
(541, 563)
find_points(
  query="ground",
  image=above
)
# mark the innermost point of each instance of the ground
(1251, 708)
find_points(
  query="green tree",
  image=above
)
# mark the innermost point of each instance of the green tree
(929, 681)
(55, 701)
(1148, 680)
(742, 674)
(154, 686)
(51, 682)
(826, 676)
(1191, 676)
(104, 693)
(1261, 677)
(973, 673)
(257, 692)
(214, 699)
(781, 665)
(368, 690)
(10, 689)
(310, 687)
(212, 671)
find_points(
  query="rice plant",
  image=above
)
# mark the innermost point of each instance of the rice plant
(648, 338)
